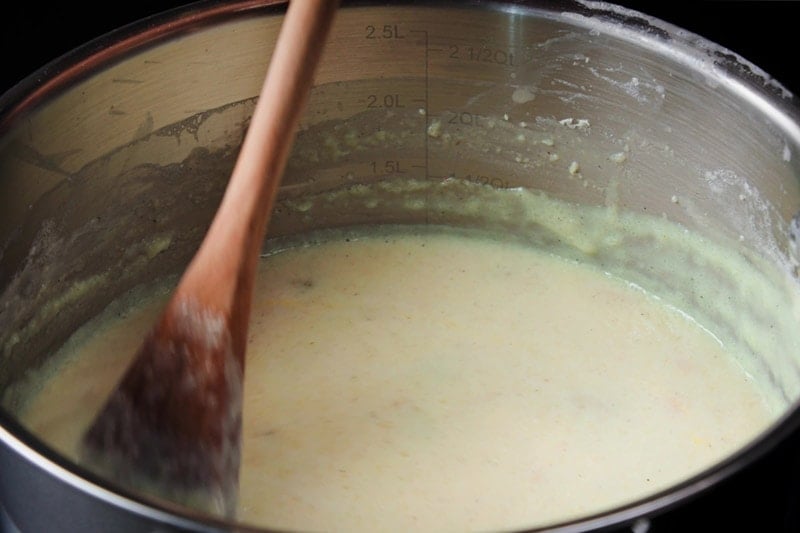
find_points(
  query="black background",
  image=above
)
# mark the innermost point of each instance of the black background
(764, 32)
(763, 498)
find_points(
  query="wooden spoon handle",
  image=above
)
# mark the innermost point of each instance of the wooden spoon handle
(222, 272)
(173, 426)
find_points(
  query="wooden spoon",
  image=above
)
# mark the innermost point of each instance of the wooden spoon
(172, 426)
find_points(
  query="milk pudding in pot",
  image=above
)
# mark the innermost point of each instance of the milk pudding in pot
(431, 378)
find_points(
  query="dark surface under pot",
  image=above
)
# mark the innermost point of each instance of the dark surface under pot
(763, 497)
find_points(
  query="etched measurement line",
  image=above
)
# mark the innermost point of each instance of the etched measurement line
(425, 123)
(473, 41)
(426, 99)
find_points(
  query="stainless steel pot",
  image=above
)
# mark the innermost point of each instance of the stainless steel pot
(112, 161)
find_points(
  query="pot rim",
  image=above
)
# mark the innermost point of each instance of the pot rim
(747, 80)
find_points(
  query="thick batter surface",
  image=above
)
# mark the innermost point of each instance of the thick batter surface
(439, 382)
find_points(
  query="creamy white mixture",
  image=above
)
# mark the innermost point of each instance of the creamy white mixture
(441, 382)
